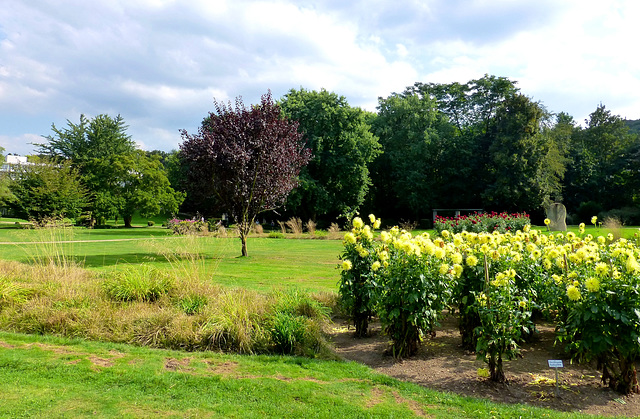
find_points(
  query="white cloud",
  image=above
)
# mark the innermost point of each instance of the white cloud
(19, 144)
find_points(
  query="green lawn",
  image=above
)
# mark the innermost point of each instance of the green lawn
(53, 377)
(307, 264)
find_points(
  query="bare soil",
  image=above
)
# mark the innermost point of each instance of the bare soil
(442, 364)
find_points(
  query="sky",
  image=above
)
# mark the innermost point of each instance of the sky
(160, 63)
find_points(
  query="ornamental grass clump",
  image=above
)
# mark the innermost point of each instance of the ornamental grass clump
(144, 284)
(143, 306)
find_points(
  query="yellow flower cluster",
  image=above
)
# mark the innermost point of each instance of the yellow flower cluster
(359, 239)
(579, 264)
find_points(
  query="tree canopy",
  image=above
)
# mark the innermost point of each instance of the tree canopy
(6, 196)
(476, 144)
(119, 178)
(47, 189)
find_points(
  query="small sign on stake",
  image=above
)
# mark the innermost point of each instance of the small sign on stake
(555, 364)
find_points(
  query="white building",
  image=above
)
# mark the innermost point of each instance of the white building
(10, 162)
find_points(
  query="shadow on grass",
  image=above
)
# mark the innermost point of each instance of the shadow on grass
(100, 261)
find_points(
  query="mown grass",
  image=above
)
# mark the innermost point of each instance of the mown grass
(309, 264)
(56, 377)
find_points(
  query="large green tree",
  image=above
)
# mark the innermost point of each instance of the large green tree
(90, 139)
(519, 179)
(551, 175)
(417, 157)
(47, 189)
(471, 108)
(337, 179)
(135, 182)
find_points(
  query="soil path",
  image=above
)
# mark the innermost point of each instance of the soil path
(442, 364)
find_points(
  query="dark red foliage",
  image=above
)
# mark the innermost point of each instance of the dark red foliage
(249, 158)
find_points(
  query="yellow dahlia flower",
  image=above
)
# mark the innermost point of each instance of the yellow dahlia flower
(573, 293)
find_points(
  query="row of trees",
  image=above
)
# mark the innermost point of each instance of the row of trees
(481, 144)
(91, 168)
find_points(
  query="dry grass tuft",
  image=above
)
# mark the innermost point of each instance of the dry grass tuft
(222, 231)
(283, 226)
(614, 225)
(234, 321)
(311, 227)
(257, 229)
(334, 232)
(295, 225)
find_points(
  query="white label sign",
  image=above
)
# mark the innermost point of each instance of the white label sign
(555, 363)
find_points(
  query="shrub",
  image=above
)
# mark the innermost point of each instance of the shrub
(144, 284)
(183, 227)
(414, 290)
(275, 235)
(626, 215)
(483, 222)
(150, 223)
(586, 210)
(504, 316)
(358, 277)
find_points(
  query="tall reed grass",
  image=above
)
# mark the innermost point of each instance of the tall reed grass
(159, 311)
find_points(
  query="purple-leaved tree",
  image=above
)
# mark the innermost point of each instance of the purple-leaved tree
(248, 157)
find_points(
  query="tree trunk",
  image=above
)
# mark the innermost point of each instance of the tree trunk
(243, 229)
(127, 221)
(243, 239)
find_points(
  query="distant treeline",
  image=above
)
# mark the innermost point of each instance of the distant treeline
(480, 144)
